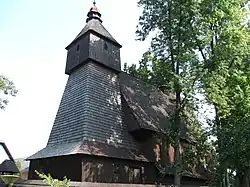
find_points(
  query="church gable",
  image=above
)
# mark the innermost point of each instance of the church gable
(148, 107)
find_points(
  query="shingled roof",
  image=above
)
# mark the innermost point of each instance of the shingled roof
(151, 107)
(8, 164)
(89, 148)
(96, 27)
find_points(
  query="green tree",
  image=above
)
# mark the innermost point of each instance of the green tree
(205, 40)
(18, 165)
(228, 88)
(225, 52)
(172, 49)
(7, 88)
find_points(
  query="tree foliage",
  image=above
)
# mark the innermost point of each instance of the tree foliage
(18, 165)
(48, 179)
(226, 84)
(173, 47)
(203, 45)
(7, 88)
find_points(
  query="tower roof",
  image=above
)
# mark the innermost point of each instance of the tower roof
(94, 13)
(94, 25)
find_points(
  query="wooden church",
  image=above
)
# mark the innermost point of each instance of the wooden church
(107, 121)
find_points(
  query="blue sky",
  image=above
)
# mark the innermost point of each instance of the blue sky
(33, 35)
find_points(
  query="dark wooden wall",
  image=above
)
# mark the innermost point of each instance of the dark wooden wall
(58, 167)
(95, 169)
(89, 168)
(107, 170)
(93, 47)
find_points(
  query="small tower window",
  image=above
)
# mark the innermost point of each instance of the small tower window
(105, 46)
(77, 47)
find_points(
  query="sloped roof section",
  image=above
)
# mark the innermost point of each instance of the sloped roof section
(96, 26)
(88, 148)
(151, 107)
(56, 150)
(8, 166)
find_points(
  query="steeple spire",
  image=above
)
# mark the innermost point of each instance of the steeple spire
(94, 13)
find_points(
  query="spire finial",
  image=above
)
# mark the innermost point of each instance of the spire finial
(94, 13)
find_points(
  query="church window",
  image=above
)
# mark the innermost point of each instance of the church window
(77, 47)
(105, 46)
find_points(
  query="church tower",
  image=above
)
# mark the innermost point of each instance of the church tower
(89, 120)
(93, 43)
